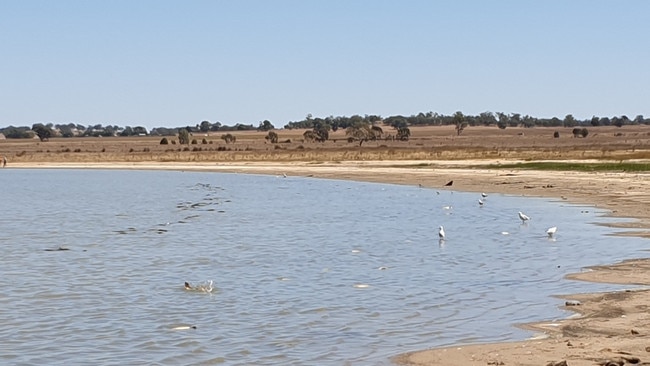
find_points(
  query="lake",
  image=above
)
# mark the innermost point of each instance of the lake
(305, 271)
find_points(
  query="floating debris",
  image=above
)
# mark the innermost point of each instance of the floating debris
(59, 249)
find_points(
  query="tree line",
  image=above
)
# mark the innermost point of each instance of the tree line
(499, 119)
(356, 126)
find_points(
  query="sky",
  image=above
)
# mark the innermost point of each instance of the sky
(161, 63)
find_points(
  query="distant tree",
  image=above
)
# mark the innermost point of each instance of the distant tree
(266, 126)
(12, 132)
(138, 130)
(515, 120)
(487, 118)
(272, 137)
(373, 118)
(164, 141)
(66, 131)
(555, 122)
(617, 121)
(113, 130)
(204, 126)
(183, 136)
(127, 131)
(43, 132)
(243, 127)
(321, 129)
(359, 131)
(228, 138)
(215, 126)
(595, 121)
(377, 132)
(460, 122)
(403, 133)
(569, 121)
(528, 121)
(504, 120)
(310, 136)
(638, 120)
(335, 123)
(397, 122)
(626, 121)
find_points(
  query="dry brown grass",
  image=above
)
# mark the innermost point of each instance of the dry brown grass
(426, 143)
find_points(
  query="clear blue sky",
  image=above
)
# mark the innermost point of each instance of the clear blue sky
(175, 63)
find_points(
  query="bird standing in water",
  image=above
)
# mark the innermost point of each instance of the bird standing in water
(551, 231)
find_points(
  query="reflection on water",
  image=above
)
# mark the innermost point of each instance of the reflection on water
(304, 271)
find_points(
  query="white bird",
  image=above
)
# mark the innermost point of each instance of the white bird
(441, 232)
(201, 287)
(483, 194)
(480, 202)
(523, 217)
(551, 231)
(284, 175)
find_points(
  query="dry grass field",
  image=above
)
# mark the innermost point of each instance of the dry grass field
(426, 143)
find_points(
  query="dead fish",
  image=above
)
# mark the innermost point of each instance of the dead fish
(184, 327)
(57, 249)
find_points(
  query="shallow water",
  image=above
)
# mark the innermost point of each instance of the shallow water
(306, 271)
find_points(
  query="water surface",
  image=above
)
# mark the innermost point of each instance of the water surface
(307, 271)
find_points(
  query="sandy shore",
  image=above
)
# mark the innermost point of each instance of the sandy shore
(612, 327)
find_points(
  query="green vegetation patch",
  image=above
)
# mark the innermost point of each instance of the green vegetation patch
(582, 167)
(417, 165)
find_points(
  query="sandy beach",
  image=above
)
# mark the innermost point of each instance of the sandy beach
(608, 329)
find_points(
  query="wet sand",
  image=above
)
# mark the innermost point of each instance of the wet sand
(608, 327)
